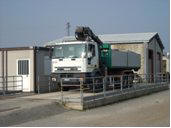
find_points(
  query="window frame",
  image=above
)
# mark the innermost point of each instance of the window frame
(28, 65)
(93, 52)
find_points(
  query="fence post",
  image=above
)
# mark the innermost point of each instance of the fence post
(155, 78)
(93, 84)
(148, 79)
(81, 91)
(161, 78)
(121, 83)
(38, 88)
(167, 78)
(104, 86)
(22, 83)
(129, 79)
(3, 85)
(93, 87)
(113, 84)
(49, 83)
(13, 82)
(61, 92)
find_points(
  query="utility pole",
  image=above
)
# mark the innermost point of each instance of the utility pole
(68, 28)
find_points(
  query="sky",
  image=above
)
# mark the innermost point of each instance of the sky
(34, 22)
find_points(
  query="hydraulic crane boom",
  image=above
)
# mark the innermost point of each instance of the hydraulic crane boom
(82, 33)
(85, 33)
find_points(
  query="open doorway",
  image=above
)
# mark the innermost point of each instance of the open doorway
(151, 65)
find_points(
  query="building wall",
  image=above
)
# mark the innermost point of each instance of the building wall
(43, 68)
(143, 50)
(137, 48)
(1, 84)
(154, 46)
(166, 64)
(13, 56)
(0, 63)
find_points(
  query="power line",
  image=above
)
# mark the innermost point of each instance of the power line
(68, 28)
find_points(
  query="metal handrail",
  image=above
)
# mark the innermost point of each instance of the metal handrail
(127, 84)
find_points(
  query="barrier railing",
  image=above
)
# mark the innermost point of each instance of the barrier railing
(94, 88)
(11, 84)
(47, 83)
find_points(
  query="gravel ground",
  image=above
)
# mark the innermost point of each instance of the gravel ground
(150, 110)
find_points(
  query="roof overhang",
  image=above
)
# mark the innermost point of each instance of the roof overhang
(24, 48)
(159, 40)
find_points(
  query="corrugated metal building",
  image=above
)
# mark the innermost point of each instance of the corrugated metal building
(28, 62)
(148, 45)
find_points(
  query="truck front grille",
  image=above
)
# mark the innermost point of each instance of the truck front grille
(67, 69)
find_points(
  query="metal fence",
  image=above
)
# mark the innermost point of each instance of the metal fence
(47, 83)
(11, 84)
(94, 88)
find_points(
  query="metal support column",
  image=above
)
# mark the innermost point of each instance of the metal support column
(81, 91)
(61, 92)
(3, 77)
(104, 86)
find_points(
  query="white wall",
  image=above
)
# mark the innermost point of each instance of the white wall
(13, 56)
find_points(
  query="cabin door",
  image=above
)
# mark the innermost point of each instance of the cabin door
(23, 69)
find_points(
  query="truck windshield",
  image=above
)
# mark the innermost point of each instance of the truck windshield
(69, 51)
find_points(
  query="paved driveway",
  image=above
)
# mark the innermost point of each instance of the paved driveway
(150, 110)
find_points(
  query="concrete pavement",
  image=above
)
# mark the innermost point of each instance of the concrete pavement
(150, 110)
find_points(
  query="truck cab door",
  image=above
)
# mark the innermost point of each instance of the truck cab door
(93, 58)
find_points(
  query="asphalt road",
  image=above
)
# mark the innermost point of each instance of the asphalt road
(150, 110)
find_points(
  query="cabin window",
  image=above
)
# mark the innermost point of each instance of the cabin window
(23, 67)
(91, 48)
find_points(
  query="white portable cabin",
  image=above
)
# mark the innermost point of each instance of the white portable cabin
(28, 62)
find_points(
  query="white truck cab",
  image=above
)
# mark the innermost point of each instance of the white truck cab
(75, 58)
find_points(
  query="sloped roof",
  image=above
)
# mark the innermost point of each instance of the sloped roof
(118, 38)
(127, 38)
(66, 38)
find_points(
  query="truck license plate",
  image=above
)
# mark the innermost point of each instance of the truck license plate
(67, 69)
(66, 79)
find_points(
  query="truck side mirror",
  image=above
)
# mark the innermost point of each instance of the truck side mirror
(83, 55)
(89, 55)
